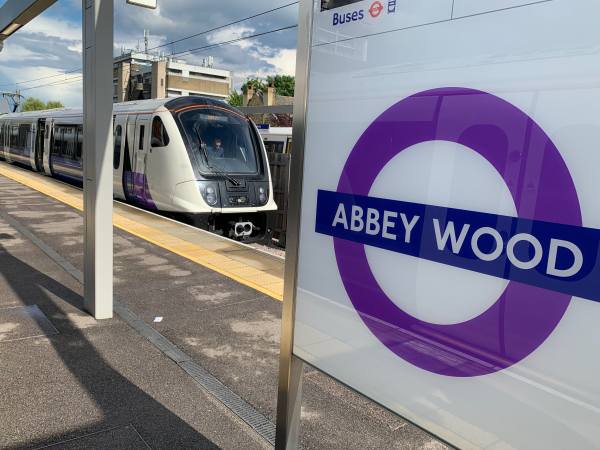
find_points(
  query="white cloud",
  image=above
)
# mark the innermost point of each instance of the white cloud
(230, 34)
(17, 53)
(284, 61)
(52, 42)
(54, 28)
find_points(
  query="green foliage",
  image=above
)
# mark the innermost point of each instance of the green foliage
(54, 105)
(255, 83)
(235, 99)
(35, 104)
(284, 84)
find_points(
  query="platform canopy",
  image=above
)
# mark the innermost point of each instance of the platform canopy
(16, 13)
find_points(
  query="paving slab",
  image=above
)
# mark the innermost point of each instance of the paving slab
(24, 322)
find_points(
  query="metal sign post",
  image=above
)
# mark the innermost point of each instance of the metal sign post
(443, 230)
(289, 398)
(97, 164)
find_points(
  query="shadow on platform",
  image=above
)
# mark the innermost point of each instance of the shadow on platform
(129, 413)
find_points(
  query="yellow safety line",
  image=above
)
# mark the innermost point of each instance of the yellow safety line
(257, 279)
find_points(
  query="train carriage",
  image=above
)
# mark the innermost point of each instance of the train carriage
(187, 155)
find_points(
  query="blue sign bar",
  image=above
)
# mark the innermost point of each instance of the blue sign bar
(558, 257)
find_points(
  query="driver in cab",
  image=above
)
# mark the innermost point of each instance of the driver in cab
(216, 150)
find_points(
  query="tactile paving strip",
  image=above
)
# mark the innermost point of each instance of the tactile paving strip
(242, 264)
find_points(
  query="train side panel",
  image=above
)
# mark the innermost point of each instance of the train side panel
(169, 168)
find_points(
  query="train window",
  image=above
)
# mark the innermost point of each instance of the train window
(57, 143)
(126, 157)
(274, 147)
(79, 142)
(24, 132)
(142, 130)
(160, 138)
(14, 137)
(222, 141)
(69, 142)
(117, 149)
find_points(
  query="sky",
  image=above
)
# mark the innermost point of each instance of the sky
(51, 43)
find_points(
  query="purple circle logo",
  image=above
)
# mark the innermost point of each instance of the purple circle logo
(524, 316)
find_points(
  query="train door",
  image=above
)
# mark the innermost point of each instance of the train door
(142, 134)
(3, 129)
(128, 163)
(31, 144)
(48, 135)
(9, 139)
(39, 145)
(120, 136)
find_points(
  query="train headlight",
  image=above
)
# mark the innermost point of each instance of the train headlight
(262, 195)
(210, 195)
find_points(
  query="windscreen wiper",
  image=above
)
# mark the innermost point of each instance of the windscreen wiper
(209, 165)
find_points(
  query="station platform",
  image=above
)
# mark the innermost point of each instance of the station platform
(190, 360)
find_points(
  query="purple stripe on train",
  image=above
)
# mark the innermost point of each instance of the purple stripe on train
(136, 187)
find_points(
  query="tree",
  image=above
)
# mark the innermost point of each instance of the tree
(255, 83)
(284, 84)
(235, 99)
(54, 105)
(33, 104)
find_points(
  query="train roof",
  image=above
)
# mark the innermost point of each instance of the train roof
(140, 106)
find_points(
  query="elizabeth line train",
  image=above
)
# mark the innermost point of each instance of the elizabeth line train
(190, 156)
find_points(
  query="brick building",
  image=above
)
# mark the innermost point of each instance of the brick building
(139, 75)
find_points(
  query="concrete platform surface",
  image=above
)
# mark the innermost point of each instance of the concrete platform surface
(103, 385)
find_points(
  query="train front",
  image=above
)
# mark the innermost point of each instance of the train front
(230, 166)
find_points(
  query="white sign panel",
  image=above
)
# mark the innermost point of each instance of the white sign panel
(448, 264)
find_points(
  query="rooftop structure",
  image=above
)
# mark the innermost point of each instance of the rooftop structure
(139, 75)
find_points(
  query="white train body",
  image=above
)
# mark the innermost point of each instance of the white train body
(277, 139)
(188, 155)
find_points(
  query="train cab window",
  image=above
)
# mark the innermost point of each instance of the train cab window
(222, 140)
(117, 149)
(142, 130)
(160, 138)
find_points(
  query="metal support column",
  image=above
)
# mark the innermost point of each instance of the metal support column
(97, 164)
(289, 398)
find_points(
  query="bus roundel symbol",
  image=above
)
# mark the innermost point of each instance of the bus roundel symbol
(524, 316)
(376, 9)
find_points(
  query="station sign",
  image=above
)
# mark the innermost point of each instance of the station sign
(449, 252)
